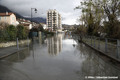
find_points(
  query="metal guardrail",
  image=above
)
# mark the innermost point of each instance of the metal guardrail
(109, 46)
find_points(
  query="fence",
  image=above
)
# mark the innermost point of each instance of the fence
(22, 43)
(15, 43)
(108, 46)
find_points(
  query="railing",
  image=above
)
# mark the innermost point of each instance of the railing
(15, 43)
(108, 46)
(22, 43)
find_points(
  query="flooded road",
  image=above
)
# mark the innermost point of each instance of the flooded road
(56, 58)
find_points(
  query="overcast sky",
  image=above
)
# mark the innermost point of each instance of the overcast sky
(64, 7)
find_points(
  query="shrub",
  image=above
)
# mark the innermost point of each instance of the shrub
(22, 32)
(11, 32)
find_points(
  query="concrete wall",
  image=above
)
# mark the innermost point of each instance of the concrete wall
(13, 43)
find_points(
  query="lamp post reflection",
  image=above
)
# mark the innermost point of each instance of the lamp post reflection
(32, 26)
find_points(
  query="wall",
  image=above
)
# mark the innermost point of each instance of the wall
(13, 19)
(13, 43)
(5, 19)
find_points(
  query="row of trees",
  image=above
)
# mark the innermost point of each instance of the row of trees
(101, 16)
(11, 32)
(39, 28)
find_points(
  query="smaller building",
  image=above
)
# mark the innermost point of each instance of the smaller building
(25, 23)
(9, 18)
(28, 26)
(44, 26)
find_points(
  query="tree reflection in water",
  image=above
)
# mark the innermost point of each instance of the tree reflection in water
(93, 65)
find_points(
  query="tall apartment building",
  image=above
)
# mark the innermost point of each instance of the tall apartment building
(54, 20)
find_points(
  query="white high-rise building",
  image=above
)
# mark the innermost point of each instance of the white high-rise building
(54, 20)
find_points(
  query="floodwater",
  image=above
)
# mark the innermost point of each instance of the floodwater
(57, 58)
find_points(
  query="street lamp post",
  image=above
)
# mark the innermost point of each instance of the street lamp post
(32, 14)
(31, 20)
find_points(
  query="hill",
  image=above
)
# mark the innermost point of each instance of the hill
(36, 19)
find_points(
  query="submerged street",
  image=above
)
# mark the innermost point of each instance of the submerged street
(56, 58)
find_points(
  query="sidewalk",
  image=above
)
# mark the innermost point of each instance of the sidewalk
(4, 52)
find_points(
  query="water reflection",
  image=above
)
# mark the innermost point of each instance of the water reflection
(7, 69)
(94, 65)
(54, 44)
(19, 56)
(67, 36)
(74, 62)
(41, 38)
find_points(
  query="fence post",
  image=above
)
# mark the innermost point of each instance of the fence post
(91, 40)
(94, 42)
(17, 44)
(106, 46)
(118, 45)
(28, 41)
(86, 39)
(99, 43)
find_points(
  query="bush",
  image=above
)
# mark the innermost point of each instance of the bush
(40, 28)
(3, 31)
(12, 32)
(48, 33)
(113, 31)
(22, 32)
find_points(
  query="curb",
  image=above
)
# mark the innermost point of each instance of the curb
(4, 56)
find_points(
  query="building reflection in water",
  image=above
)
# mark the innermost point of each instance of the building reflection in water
(41, 39)
(54, 44)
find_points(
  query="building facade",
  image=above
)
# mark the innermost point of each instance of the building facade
(9, 18)
(25, 23)
(54, 20)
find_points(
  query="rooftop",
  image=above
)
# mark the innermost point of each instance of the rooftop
(6, 14)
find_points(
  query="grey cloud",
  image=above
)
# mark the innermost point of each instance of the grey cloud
(64, 7)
